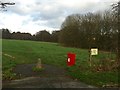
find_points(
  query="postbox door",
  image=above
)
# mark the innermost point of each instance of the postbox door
(71, 59)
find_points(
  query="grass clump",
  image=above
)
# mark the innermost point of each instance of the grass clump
(8, 75)
(35, 69)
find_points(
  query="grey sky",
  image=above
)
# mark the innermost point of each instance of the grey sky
(35, 15)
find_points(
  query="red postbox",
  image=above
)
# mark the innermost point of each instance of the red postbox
(71, 59)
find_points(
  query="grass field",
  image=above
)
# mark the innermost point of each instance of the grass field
(19, 52)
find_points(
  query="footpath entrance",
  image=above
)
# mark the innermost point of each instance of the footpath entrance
(50, 77)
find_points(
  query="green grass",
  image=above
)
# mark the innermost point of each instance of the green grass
(54, 54)
(35, 69)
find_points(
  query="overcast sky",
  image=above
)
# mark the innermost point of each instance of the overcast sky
(34, 15)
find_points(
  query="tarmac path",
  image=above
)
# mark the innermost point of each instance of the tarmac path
(50, 77)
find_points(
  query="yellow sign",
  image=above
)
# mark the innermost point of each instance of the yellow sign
(94, 51)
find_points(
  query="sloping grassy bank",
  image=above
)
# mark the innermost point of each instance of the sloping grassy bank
(19, 52)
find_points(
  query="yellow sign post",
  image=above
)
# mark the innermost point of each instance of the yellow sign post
(93, 51)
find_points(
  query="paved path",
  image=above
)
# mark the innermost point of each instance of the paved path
(50, 77)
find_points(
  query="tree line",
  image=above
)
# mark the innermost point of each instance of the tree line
(42, 35)
(99, 30)
(90, 30)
